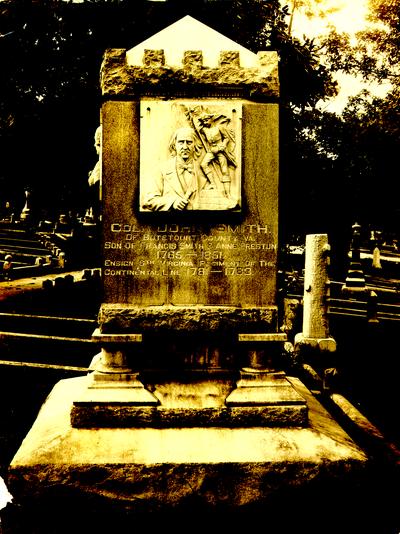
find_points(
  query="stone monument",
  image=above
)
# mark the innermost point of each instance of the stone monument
(187, 402)
(190, 228)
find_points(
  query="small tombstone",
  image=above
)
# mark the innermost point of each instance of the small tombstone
(26, 210)
(47, 285)
(69, 280)
(96, 274)
(355, 279)
(7, 210)
(60, 283)
(376, 258)
(61, 260)
(372, 308)
(8, 267)
(87, 274)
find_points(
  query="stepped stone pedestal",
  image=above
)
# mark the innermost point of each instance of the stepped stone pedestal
(122, 472)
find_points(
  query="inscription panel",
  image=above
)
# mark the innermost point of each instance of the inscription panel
(223, 264)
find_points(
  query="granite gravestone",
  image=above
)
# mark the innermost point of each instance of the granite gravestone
(190, 214)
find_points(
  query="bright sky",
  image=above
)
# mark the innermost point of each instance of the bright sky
(346, 16)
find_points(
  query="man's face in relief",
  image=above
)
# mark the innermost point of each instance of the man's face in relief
(184, 144)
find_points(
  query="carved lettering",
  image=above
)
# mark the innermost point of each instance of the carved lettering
(189, 251)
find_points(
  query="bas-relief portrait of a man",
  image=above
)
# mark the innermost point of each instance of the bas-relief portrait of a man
(198, 168)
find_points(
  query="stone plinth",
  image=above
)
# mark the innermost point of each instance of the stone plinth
(120, 318)
(194, 402)
(150, 469)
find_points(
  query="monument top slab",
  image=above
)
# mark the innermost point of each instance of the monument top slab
(190, 34)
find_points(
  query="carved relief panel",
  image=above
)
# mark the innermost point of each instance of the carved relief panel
(190, 155)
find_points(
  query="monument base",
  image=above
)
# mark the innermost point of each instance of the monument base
(207, 402)
(107, 390)
(114, 415)
(127, 471)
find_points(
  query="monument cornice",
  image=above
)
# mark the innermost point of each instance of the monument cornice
(156, 78)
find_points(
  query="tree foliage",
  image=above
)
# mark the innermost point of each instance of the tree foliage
(50, 99)
(49, 92)
(366, 137)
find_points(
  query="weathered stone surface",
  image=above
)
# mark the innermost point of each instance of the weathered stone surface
(316, 287)
(251, 377)
(118, 78)
(231, 58)
(273, 392)
(303, 343)
(190, 403)
(115, 393)
(116, 416)
(193, 59)
(113, 339)
(186, 259)
(270, 395)
(263, 338)
(173, 66)
(153, 58)
(148, 469)
(117, 318)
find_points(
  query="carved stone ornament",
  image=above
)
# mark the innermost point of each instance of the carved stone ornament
(190, 155)
(192, 60)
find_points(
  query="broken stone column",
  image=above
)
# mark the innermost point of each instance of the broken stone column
(315, 332)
